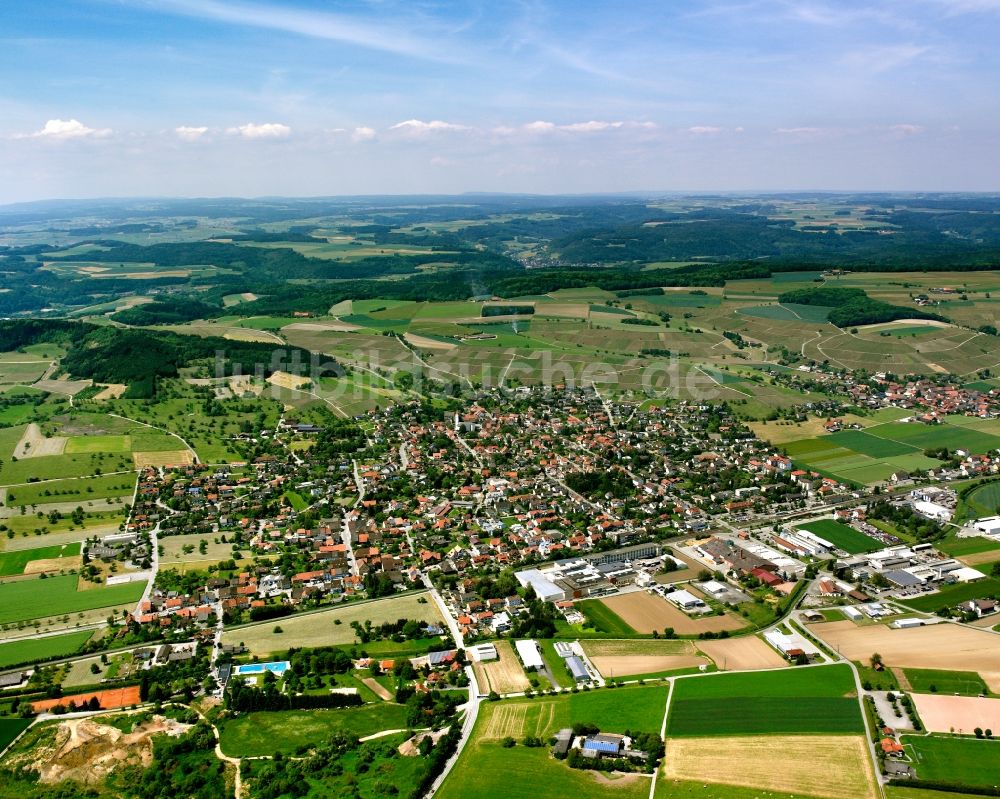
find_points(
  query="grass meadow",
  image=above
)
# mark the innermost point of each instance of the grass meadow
(15, 653)
(964, 760)
(842, 536)
(23, 600)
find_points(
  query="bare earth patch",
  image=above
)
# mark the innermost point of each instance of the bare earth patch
(111, 391)
(963, 714)
(380, 690)
(86, 751)
(35, 445)
(645, 613)
(938, 646)
(628, 665)
(829, 766)
(51, 564)
(335, 327)
(742, 654)
(288, 380)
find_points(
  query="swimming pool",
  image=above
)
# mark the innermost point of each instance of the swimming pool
(278, 668)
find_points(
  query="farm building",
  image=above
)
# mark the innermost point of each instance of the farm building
(603, 745)
(685, 600)
(564, 738)
(527, 650)
(988, 525)
(791, 646)
(577, 668)
(853, 613)
(905, 624)
(484, 652)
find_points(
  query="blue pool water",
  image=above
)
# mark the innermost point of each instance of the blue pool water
(277, 667)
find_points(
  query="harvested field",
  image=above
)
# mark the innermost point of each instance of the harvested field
(742, 654)
(829, 766)
(937, 646)
(111, 391)
(630, 665)
(118, 697)
(941, 713)
(35, 445)
(51, 564)
(70, 387)
(179, 457)
(645, 613)
(505, 675)
(424, 343)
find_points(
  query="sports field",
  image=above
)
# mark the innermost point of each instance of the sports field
(55, 596)
(333, 626)
(639, 657)
(843, 537)
(966, 760)
(15, 653)
(939, 681)
(806, 700)
(829, 766)
(264, 733)
(961, 714)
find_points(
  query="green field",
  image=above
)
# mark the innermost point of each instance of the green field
(603, 618)
(963, 683)
(12, 563)
(965, 761)
(36, 649)
(22, 600)
(951, 595)
(842, 536)
(10, 729)
(109, 485)
(256, 734)
(788, 311)
(486, 769)
(957, 547)
(981, 501)
(806, 700)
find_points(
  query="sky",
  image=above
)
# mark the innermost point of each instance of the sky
(104, 98)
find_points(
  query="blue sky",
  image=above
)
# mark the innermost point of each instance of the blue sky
(309, 97)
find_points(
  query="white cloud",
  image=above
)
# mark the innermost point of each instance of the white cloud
(267, 130)
(363, 134)
(67, 129)
(704, 130)
(802, 131)
(540, 126)
(189, 133)
(907, 129)
(441, 161)
(434, 126)
(590, 127)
